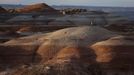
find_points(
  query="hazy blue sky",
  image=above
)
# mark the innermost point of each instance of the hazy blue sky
(123, 3)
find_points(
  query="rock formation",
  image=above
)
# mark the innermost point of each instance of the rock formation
(19, 51)
(116, 53)
(64, 47)
(72, 11)
(86, 50)
(35, 8)
(53, 42)
(113, 56)
(2, 10)
(71, 37)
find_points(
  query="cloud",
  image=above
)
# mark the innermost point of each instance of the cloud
(9, 1)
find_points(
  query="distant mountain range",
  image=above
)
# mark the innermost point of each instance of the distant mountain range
(11, 6)
(122, 11)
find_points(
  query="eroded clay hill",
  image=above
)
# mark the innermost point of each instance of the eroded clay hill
(73, 38)
(47, 46)
(85, 50)
(116, 52)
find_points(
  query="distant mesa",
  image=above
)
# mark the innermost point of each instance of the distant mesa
(41, 7)
(80, 11)
(72, 11)
(2, 10)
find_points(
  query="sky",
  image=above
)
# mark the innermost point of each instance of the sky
(121, 3)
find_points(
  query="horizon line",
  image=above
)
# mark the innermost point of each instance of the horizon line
(69, 5)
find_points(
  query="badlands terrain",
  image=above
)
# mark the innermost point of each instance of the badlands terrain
(40, 40)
